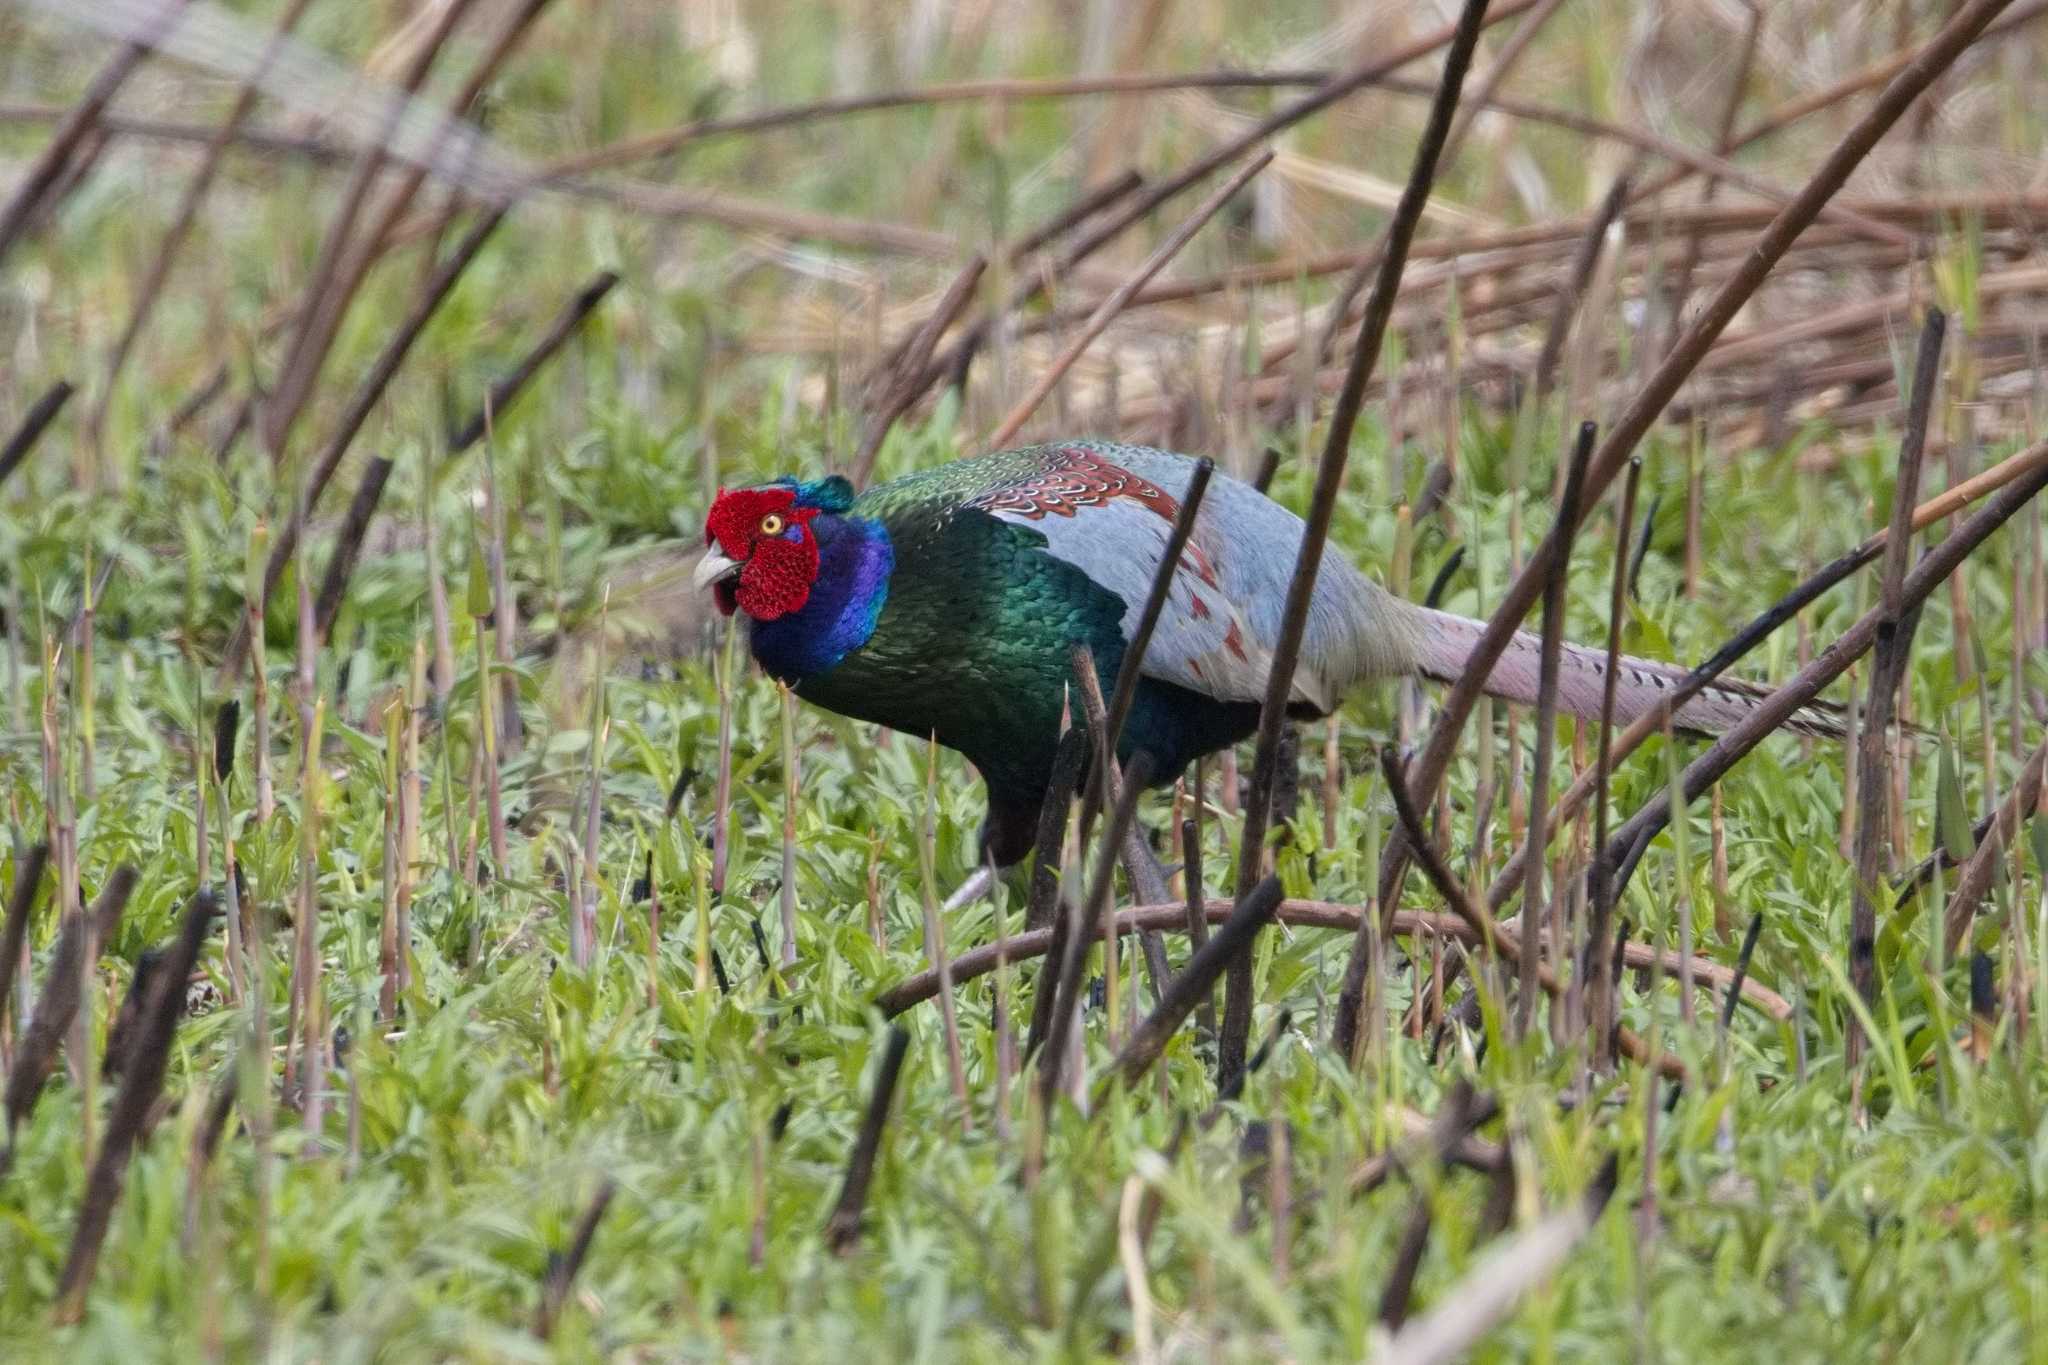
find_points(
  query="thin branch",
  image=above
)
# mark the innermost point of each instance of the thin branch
(842, 1229)
(1299, 914)
(1893, 651)
(1336, 454)
(504, 391)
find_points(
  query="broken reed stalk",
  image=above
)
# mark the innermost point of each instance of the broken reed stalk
(1490, 1290)
(1195, 983)
(935, 931)
(307, 960)
(1635, 420)
(842, 1229)
(1301, 914)
(1109, 785)
(724, 668)
(80, 123)
(1980, 869)
(1372, 330)
(394, 805)
(791, 759)
(1551, 656)
(151, 288)
(1627, 846)
(505, 391)
(1891, 654)
(1522, 954)
(348, 544)
(1073, 215)
(1042, 910)
(29, 867)
(1086, 922)
(1453, 1123)
(504, 602)
(1106, 312)
(79, 944)
(1734, 994)
(1198, 923)
(142, 1078)
(900, 387)
(1068, 760)
(361, 403)
(1593, 959)
(561, 1275)
(33, 424)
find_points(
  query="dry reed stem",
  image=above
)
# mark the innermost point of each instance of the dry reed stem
(1300, 914)
(1329, 480)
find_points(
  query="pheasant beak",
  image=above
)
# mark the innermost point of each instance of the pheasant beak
(714, 568)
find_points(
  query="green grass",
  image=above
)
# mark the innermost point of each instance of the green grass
(515, 1084)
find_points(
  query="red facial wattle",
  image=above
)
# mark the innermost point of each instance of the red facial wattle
(769, 537)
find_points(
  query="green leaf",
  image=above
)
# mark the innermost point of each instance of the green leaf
(1951, 816)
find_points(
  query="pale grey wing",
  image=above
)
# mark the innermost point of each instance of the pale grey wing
(1204, 640)
(1222, 616)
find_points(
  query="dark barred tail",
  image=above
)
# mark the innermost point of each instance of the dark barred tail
(1444, 643)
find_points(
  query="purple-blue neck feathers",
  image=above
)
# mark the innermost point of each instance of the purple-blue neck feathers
(854, 562)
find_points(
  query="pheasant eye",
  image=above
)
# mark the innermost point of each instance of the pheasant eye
(771, 525)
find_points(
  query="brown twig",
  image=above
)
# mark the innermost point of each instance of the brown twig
(561, 1276)
(1480, 921)
(1074, 214)
(1552, 653)
(842, 1229)
(141, 1081)
(1197, 922)
(1300, 914)
(1330, 468)
(348, 543)
(80, 126)
(1489, 1291)
(36, 1058)
(29, 866)
(33, 424)
(1091, 915)
(901, 387)
(506, 390)
(1593, 961)
(1041, 910)
(1980, 869)
(1194, 984)
(1890, 657)
(1454, 1121)
(1940, 506)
